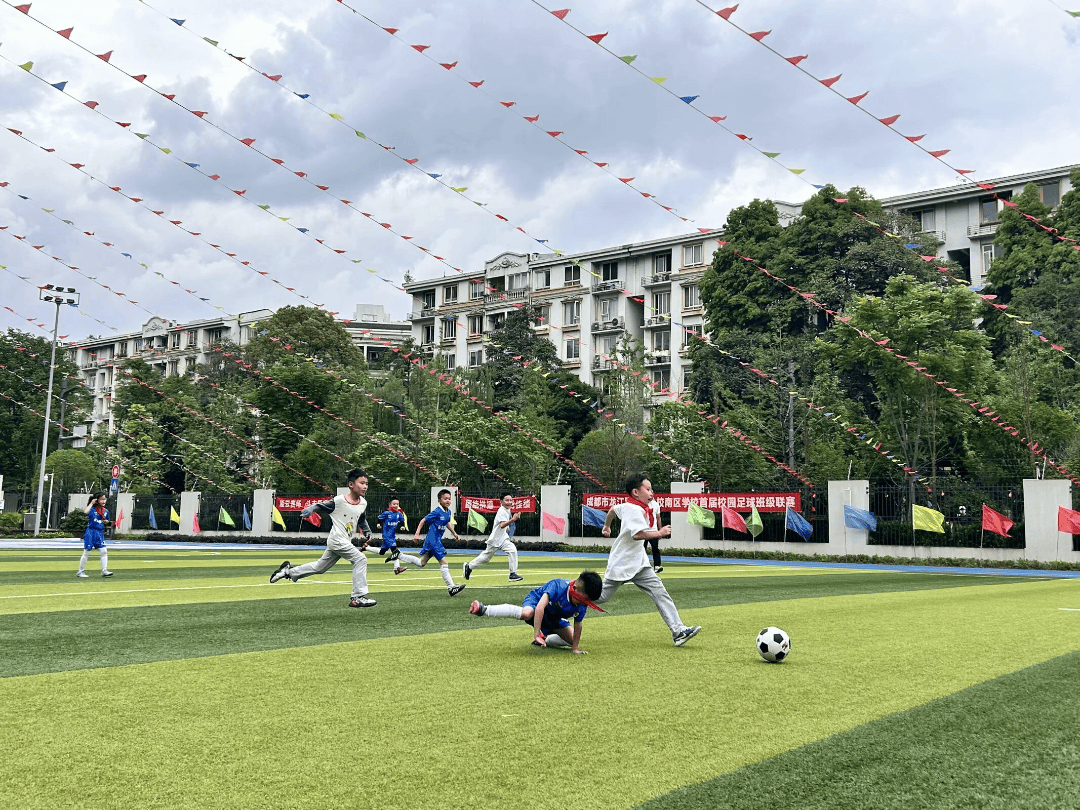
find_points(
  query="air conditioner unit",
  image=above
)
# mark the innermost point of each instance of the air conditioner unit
(596, 325)
(596, 362)
(613, 322)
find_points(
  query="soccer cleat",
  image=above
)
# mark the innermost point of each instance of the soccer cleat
(685, 635)
(477, 608)
(657, 569)
(83, 575)
(281, 572)
(395, 552)
(515, 576)
(454, 590)
(400, 569)
(466, 571)
(362, 601)
(106, 573)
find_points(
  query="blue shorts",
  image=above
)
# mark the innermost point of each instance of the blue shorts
(93, 540)
(435, 548)
(388, 543)
(549, 625)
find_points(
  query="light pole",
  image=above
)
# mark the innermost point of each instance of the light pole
(57, 295)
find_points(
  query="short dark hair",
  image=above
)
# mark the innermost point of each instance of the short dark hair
(443, 492)
(594, 584)
(634, 480)
(506, 495)
(94, 497)
(355, 473)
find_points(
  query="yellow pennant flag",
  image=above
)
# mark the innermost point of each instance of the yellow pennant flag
(927, 520)
(174, 516)
(277, 518)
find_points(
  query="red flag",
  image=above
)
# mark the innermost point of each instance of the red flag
(315, 519)
(120, 520)
(195, 523)
(995, 522)
(558, 525)
(1068, 520)
(732, 519)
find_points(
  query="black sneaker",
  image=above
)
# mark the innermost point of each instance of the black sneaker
(466, 571)
(454, 590)
(395, 552)
(362, 601)
(281, 572)
(685, 635)
(515, 576)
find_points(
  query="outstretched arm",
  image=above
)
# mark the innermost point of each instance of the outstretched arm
(322, 507)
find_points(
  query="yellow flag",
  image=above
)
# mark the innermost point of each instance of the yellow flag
(277, 518)
(927, 520)
(173, 516)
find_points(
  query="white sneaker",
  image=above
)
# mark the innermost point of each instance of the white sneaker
(83, 575)
(106, 573)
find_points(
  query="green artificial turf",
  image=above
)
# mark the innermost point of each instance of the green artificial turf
(479, 719)
(1007, 744)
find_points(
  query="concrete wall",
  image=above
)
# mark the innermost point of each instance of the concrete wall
(555, 500)
(842, 539)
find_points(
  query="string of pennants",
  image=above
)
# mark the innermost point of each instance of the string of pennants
(983, 411)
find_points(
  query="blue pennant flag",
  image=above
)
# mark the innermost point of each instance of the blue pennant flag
(856, 518)
(592, 517)
(798, 524)
(688, 99)
(247, 519)
(153, 520)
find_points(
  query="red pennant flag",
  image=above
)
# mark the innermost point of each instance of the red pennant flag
(889, 120)
(732, 519)
(796, 59)
(25, 8)
(597, 37)
(832, 81)
(858, 98)
(104, 57)
(995, 522)
(554, 133)
(66, 33)
(247, 141)
(727, 12)
(760, 35)
(448, 65)
(717, 118)
(914, 138)
(1068, 520)
(391, 31)
(140, 78)
(477, 84)
(561, 13)
(940, 153)
(420, 48)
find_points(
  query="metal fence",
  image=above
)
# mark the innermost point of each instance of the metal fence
(960, 501)
(223, 512)
(154, 513)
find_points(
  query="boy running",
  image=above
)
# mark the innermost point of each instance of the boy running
(390, 520)
(347, 515)
(548, 608)
(499, 540)
(437, 521)
(628, 561)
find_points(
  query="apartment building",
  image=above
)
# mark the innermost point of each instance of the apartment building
(965, 217)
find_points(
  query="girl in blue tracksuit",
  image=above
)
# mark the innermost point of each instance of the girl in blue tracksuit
(94, 536)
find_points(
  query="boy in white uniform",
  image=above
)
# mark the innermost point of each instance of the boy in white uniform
(628, 561)
(499, 540)
(347, 515)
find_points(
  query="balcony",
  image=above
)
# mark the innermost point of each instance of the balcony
(658, 358)
(572, 362)
(614, 284)
(986, 229)
(601, 363)
(657, 278)
(612, 325)
(507, 296)
(474, 337)
(426, 312)
(658, 320)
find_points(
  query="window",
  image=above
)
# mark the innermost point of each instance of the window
(214, 335)
(609, 345)
(427, 333)
(174, 340)
(449, 329)
(686, 373)
(573, 348)
(174, 368)
(661, 378)
(662, 340)
(476, 290)
(476, 324)
(476, 358)
(609, 271)
(661, 303)
(498, 320)
(692, 255)
(691, 333)
(571, 313)
(572, 275)
(368, 318)
(661, 264)
(427, 299)
(925, 220)
(191, 340)
(543, 279)
(691, 297)
(450, 294)
(451, 362)
(517, 281)
(990, 251)
(607, 309)
(988, 211)
(103, 354)
(540, 316)
(1050, 194)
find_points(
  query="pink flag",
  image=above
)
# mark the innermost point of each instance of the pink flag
(552, 523)
(120, 520)
(732, 519)
(195, 524)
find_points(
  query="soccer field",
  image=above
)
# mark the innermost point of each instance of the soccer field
(187, 680)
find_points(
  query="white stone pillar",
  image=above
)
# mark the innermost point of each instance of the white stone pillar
(1041, 501)
(125, 502)
(844, 540)
(262, 512)
(555, 500)
(683, 535)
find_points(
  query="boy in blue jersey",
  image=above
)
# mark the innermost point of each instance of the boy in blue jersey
(549, 607)
(437, 521)
(390, 520)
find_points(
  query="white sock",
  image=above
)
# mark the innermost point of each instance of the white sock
(104, 560)
(555, 640)
(503, 611)
(444, 569)
(408, 558)
(83, 559)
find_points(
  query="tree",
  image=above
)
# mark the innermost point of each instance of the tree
(73, 471)
(298, 332)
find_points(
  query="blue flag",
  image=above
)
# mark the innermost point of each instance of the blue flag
(153, 520)
(592, 517)
(798, 524)
(247, 519)
(856, 518)
(511, 530)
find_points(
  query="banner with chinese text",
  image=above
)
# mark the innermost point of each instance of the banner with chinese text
(739, 501)
(525, 503)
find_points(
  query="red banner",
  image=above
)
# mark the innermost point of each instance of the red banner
(526, 503)
(297, 504)
(739, 501)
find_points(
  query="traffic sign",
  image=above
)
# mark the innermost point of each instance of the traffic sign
(115, 486)
(116, 471)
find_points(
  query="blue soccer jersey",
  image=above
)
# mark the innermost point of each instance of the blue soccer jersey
(559, 607)
(437, 519)
(390, 522)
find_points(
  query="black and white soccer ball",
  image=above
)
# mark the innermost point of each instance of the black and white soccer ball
(773, 644)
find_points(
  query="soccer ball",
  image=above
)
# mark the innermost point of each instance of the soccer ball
(773, 644)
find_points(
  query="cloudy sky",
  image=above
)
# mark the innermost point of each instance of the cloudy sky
(994, 81)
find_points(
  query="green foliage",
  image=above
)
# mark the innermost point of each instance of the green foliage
(74, 471)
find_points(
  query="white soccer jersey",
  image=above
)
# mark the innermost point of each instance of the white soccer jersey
(346, 519)
(627, 555)
(499, 533)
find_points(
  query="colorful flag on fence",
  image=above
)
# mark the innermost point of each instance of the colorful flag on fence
(153, 520)
(696, 516)
(174, 516)
(225, 517)
(856, 518)
(1068, 520)
(275, 517)
(927, 520)
(995, 522)
(592, 517)
(798, 524)
(732, 519)
(477, 521)
(247, 518)
(552, 523)
(754, 524)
